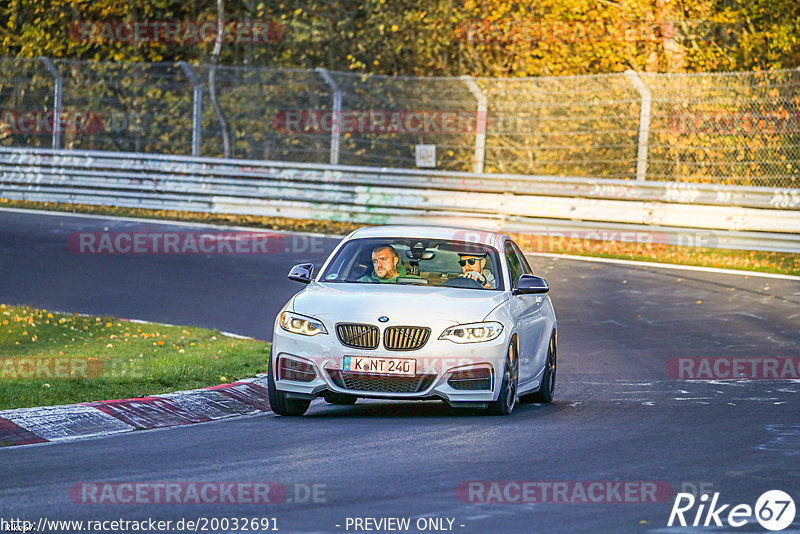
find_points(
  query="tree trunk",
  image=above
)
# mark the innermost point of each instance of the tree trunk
(212, 75)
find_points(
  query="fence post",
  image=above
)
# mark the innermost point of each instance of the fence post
(480, 123)
(644, 123)
(57, 97)
(337, 113)
(197, 107)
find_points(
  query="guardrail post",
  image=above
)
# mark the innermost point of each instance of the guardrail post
(337, 113)
(197, 107)
(480, 123)
(644, 123)
(57, 97)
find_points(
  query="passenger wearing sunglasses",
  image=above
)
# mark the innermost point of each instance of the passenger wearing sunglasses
(473, 266)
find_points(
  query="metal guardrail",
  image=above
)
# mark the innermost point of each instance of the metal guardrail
(751, 218)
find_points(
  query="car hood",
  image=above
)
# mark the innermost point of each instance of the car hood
(402, 304)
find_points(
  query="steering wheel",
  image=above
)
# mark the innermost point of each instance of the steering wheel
(461, 281)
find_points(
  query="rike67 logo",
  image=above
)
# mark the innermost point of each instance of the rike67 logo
(774, 510)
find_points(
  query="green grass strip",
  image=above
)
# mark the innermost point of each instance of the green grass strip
(54, 358)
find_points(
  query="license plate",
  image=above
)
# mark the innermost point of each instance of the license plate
(384, 366)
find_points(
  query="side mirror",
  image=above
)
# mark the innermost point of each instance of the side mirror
(302, 273)
(530, 284)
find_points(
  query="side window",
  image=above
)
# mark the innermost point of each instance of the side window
(514, 267)
(524, 262)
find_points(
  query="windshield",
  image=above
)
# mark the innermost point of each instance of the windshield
(433, 262)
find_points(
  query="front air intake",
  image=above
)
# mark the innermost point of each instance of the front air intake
(298, 371)
(381, 383)
(471, 379)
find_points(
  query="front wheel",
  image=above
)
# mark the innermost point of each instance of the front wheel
(548, 388)
(279, 402)
(507, 398)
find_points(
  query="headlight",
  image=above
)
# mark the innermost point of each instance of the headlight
(473, 332)
(300, 324)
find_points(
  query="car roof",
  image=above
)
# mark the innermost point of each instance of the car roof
(493, 239)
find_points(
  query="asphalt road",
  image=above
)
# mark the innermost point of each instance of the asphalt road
(618, 416)
(43, 265)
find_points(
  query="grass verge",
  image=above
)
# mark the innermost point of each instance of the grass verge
(769, 262)
(54, 358)
(744, 260)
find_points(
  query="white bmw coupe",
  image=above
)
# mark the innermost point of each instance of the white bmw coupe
(416, 313)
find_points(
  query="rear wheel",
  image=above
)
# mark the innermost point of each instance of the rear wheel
(279, 402)
(507, 398)
(548, 387)
(340, 398)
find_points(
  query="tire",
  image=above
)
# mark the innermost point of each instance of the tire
(548, 388)
(279, 403)
(341, 399)
(507, 398)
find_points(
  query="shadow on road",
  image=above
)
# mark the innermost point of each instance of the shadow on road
(423, 409)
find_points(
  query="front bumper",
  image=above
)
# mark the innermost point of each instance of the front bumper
(444, 370)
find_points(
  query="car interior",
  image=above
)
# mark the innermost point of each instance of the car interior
(424, 262)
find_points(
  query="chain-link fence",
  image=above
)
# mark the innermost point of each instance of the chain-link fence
(26, 94)
(129, 107)
(563, 126)
(730, 128)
